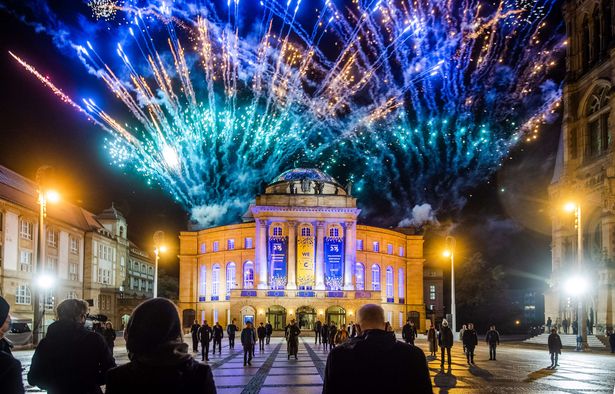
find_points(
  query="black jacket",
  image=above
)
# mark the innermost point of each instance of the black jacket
(269, 328)
(408, 332)
(231, 329)
(194, 330)
(109, 335)
(555, 344)
(493, 337)
(376, 362)
(248, 337)
(187, 377)
(470, 339)
(10, 374)
(218, 332)
(445, 337)
(70, 359)
(261, 332)
(205, 334)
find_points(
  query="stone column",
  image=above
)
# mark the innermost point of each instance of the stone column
(292, 255)
(350, 255)
(320, 255)
(261, 253)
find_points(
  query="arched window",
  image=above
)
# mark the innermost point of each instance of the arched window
(401, 289)
(389, 283)
(230, 279)
(306, 232)
(334, 232)
(202, 283)
(597, 112)
(360, 276)
(248, 275)
(215, 282)
(595, 42)
(607, 32)
(277, 231)
(376, 277)
(23, 295)
(585, 44)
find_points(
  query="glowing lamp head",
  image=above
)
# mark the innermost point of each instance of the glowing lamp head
(570, 207)
(576, 285)
(446, 253)
(162, 249)
(52, 196)
(45, 281)
(517, 322)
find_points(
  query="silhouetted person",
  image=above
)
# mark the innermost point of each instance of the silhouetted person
(332, 333)
(194, 330)
(445, 340)
(205, 334)
(375, 362)
(261, 333)
(470, 340)
(317, 332)
(109, 335)
(565, 325)
(231, 329)
(268, 331)
(549, 323)
(70, 359)
(293, 339)
(432, 338)
(493, 339)
(408, 333)
(325, 335)
(248, 339)
(160, 361)
(11, 380)
(612, 341)
(217, 334)
(555, 348)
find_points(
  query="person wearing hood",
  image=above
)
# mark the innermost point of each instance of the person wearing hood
(10, 368)
(160, 361)
(445, 340)
(70, 359)
(375, 361)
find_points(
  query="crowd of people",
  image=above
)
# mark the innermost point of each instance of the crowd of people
(73, 359)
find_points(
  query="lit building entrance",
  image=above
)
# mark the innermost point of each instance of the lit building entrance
(336, 315)
(276, 315)
(306, 316)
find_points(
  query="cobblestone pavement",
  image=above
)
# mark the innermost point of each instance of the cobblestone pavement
(519, 369)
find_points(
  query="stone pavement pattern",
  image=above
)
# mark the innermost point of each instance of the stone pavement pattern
(519, 369)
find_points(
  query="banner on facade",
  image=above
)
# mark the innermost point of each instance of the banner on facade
(334, 257)
(305, 262)
(277, 261)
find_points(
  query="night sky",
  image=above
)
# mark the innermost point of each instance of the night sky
(507, 219)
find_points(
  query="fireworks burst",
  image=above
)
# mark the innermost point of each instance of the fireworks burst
(103, 9)
(426, 96)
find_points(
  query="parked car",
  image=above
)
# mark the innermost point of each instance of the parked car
(21, 332)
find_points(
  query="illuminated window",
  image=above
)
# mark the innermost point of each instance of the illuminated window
(376, 246)
(216, 246)
(203, 247)
(230, 278)
(389, 282)
(215, 281)
(360, 276)
(401, 251)
(202, 283)
(25, 229)
(376, 277)
(432, 292)
(390, 249)
(248, 243)
(74, 245)
(359, 244)
(25, 261)
(230, 244)
(52, 238)
(22, 295)
(400, 284)
(248, 275)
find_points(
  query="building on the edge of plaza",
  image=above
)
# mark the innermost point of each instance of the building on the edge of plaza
(433, 292)
(300, 254)
(531, 305)
(86, 253)
(585, 166)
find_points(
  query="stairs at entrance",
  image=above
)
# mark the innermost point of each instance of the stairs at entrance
(568, 340)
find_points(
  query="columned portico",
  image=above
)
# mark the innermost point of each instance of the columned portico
(349, 255)
(292, 255)
(320, 250)
(261, 253)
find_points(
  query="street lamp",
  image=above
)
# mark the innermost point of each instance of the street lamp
(450, 252)
(159, 247)
(578, 285)
(43, 281)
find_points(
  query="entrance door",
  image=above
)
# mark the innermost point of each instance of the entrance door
(276, 315)
(306, 316)
(336, 315)
(247, 314)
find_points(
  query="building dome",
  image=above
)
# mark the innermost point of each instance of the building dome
(298, 174)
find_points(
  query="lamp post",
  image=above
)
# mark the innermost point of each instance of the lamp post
(450, 252)
(42, 281)
(581, 323)
(159, 247)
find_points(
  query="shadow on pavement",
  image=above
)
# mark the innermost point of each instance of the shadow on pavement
(480, 372)
(445, 381)
(541, 373)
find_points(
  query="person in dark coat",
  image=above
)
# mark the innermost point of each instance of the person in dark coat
(470, 340)
(565, 325)
(432, 338)
(549, 322)
(325, 335)
(612, 341)
(194, 330)
(493, 340)
(160, 361)
(261, 332)
(231, 329)
(555, 348)
(70, 359)
(408, 333)
(332, 334)
(217, 335)
(109, 335)
(375, 362)
(445, 340)
(205, 335)
(317, 332)
(268, 331)
(10, 368)
(293, 339)
(352, 330)
(248, 340)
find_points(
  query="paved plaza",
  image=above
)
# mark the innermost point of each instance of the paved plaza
(519, 369)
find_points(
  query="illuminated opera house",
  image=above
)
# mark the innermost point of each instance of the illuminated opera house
(300, 254)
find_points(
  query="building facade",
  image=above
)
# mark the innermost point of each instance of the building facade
(433, 292)
(300, 254)
(585, 168)
(86, 254)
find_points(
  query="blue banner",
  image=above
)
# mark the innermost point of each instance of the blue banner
(334, 257)
(277, 262)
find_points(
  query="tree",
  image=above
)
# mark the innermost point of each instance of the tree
(168, 285)
(482, 296)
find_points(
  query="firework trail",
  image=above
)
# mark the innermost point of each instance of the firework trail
(414, 101)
